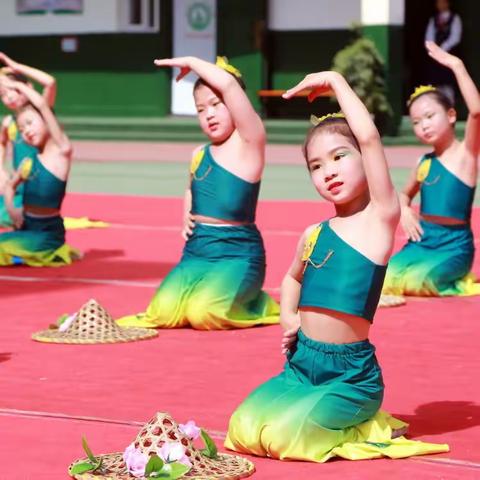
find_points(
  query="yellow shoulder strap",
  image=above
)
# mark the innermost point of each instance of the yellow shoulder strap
(196, 160)
(310, 243)
(423, 169)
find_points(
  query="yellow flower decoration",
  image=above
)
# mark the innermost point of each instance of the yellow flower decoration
(25, 168)
(314, 120)
(196, 161)
(310, 243)
(420, 91)
(222, 62)
(12, 131)
(423, 169)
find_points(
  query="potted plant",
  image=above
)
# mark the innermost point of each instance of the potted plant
(364, 69)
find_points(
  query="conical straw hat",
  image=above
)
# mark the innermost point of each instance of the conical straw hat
(159, 430)
(391, 301)
(93, 324)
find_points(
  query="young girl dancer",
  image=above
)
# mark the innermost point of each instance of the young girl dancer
(9, 133)
(438, 257)
(217, 284)
(40, 236)
(326, 401)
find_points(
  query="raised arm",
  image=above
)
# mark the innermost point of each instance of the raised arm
(48, 82)
(382, 191)
(469, 93)
(39, 102)
(3, 152)
(248, 123)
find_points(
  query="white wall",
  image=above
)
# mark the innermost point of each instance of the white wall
(313, 14)
(98, 16)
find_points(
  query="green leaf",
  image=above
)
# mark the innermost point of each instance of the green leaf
(82, 467)
(178, 470)
(89, 453)
(154, 465)
(98, 464)
(211, 449)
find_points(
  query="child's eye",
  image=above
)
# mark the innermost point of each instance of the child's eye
(338, 156)
(315, 166)
(429, 115)
(200, 110)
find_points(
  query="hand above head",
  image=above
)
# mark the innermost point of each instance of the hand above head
(442, 56)
(318, 84)
(183, 63)
(6, 60)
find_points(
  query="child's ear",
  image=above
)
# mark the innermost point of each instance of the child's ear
(452, 116)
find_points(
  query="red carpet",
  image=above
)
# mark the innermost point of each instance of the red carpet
(428, 351)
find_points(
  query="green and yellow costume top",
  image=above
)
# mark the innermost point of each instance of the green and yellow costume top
(442, 193)
(338, 277)
(218, 193)
(42, 188)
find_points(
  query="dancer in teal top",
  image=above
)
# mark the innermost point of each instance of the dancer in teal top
(326, 401)
(218, 282)
(39, 239)
(9, 132)
(439, 254)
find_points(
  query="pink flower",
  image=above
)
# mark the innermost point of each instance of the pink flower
(135, 460)
(173, 452)
(67, 322)
(190, 429)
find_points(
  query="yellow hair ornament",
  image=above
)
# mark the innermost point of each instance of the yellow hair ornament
(310, 243)
(26, 168)
(314, 120)
(423, 169)
(420, 91)
(222, 62)
(196, 161)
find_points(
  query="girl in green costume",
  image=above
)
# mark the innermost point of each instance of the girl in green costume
(326, 401)
(218, 282)
(438, 257)
(9, 132)
(39, 239)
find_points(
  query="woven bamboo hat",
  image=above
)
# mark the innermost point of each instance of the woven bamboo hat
(387, 301)
(92, 324)
(159, 430)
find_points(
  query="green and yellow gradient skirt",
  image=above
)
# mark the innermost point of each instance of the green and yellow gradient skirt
(324, 404)
(216, 286)
(39, 243)
(438, 265)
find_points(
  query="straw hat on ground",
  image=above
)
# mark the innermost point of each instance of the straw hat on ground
(160, 430)
(391, 301)
(92, 324)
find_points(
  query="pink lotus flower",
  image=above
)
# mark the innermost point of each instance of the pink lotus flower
(173, 452)
(67, 322)
(135, 460)
(190, 429)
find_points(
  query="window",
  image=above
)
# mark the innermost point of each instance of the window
(141, 15)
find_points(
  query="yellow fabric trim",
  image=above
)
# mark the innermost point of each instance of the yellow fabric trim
(82, 222)
(310, 243)
(25, 168)
(423, 169)
(12, 131)
(196, 161)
